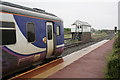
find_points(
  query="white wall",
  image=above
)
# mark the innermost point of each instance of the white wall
(84, 29)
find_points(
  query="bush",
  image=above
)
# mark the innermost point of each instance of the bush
(117, 42)
(113, 68)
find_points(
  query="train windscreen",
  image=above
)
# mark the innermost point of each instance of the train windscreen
(7, 33)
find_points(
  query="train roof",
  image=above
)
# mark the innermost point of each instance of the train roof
(15, 8)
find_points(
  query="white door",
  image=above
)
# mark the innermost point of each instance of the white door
(49, 35)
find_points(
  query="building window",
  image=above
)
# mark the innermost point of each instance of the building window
(7, 33)
(58, 31)
(30, 32)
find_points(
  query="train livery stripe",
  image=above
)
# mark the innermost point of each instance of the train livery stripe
(30, 16)
(14, 53)
(62, 45)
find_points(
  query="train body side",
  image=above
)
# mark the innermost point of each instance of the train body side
(22, 52)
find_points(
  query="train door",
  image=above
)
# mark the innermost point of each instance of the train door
(50, 39)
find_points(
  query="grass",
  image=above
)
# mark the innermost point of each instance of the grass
(113, 66)
(67, 35)
(99, 35)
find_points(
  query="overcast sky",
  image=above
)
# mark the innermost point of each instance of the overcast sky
(101, 14)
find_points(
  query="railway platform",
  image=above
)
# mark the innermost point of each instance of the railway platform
(91, 65)
(86, 63)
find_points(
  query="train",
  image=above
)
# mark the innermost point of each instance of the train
(29, 36)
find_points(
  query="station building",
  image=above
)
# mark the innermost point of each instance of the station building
(81, 30)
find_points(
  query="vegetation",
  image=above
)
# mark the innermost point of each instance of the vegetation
(67, 33)
(99, 35)
(66, 30)
(113, 67)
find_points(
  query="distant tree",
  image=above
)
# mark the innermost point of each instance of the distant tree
(67, 30)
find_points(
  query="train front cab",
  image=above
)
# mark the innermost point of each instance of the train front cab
(12, 37)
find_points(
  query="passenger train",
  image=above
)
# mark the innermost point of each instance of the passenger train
(29, 36)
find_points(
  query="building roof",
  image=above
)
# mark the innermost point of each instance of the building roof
(81, 23)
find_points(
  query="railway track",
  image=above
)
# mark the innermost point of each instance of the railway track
(69, 45)
(70, 48)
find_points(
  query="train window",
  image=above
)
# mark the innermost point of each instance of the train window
(58, 31)
(30, 32)
(7, 25)
(8, 31)
(49, 32)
